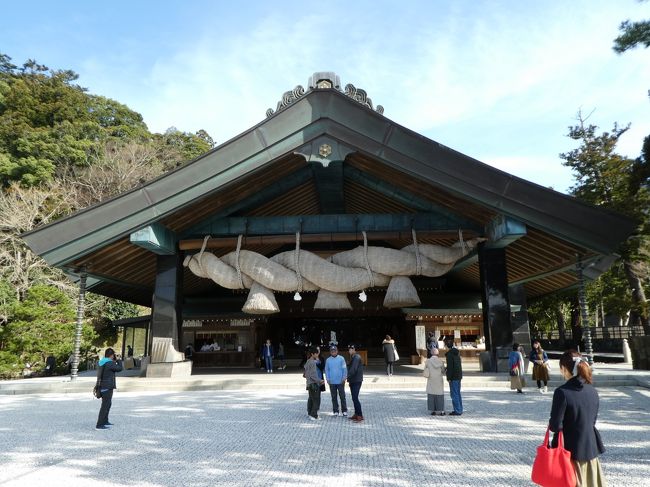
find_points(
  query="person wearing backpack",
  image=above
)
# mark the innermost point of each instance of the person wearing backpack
(108, 366)
(516, 367)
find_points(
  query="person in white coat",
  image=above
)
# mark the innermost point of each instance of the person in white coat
(434, 371)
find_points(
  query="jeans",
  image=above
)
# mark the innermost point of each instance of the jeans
(454, 392)
(313, 402)
(107, 400)
(340, 390)
(355, 387)
(268, 362)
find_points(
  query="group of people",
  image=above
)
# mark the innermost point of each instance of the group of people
(518, 369)
(335, 372)
(574, 409)
(435, 372)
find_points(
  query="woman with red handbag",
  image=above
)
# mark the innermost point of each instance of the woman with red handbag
(574, 412)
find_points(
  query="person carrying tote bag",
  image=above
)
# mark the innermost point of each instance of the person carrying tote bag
(390, 354)
(573, 414)
(552, 466)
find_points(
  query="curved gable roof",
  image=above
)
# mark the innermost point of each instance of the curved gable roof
(329, 113)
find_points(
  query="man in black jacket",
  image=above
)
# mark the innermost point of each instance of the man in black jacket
(108, 366)
(355, 379)
(454, 376)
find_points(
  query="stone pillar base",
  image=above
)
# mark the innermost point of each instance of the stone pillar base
(170, 369)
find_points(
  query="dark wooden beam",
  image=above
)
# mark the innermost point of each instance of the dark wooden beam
(221, 242)
(329, 224)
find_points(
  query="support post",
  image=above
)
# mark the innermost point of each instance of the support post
(589, 352)
(495, 303)
(74, 369)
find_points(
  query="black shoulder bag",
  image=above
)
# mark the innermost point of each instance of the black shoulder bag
(97, 392)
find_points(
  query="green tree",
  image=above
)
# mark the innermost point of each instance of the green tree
(48, 122)
(42, 325)
(607, 179)
(632, 35)
(188, 146)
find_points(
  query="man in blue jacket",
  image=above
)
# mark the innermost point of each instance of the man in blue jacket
(108, 366)
(337, 372)
(267, 353)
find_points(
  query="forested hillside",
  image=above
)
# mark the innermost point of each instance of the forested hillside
(62, 149)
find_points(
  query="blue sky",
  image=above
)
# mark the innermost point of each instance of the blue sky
(500, 81)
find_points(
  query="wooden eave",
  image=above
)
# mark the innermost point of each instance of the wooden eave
(559, 226)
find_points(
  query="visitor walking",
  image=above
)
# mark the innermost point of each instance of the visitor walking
(108, 366)
(454, 376)
(314, 381)
(432, 342)
(390, 354)
(540, 366)
(516, 367)
(574, 412)
(336, 373)
(267, 356)
(281, 356)
(434, 371)
(355, 379)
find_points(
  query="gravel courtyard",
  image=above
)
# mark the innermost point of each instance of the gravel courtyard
(264, 438)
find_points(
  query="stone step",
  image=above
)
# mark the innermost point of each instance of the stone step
(277, 381)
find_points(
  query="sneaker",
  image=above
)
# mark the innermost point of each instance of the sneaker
(318, 418)
(545, 389)
(103, 427)
(541, 391)
(311, 418)
(108, 424)
(344, 413)
(454, 413)
(336, 413)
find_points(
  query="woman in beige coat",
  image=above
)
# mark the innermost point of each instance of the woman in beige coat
(434, 371)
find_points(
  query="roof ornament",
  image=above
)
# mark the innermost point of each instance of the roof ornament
(287, 99)
(361, 96)
(325, 80)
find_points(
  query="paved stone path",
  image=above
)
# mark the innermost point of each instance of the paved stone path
(263, 438)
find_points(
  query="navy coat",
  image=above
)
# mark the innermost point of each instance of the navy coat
(574, 411)
(107, 374)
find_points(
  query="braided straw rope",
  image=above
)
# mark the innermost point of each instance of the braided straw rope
(353, 270)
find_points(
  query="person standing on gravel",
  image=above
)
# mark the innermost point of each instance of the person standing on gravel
(108, 366)
(355, 379)
(314, 381)
(454, 376)
(434, 371)
(336, 373)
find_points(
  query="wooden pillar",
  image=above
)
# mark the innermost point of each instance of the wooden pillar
(519, 316)
(495, 304)
(166, 317)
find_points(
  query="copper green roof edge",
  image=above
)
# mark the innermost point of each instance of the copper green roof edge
(114, 229)
(331, 113)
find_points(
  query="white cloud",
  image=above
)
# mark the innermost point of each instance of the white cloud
(503, 75)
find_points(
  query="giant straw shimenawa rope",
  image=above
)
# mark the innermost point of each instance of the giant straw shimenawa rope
(353, 270)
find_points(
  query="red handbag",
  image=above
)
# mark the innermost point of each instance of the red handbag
(552, 466)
